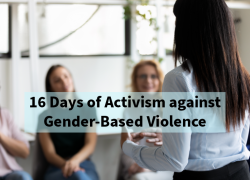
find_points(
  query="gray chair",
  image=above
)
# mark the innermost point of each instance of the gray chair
(124, 164)
(40, 164)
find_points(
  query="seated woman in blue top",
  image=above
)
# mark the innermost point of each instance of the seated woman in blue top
(206, 46)
(67, 153)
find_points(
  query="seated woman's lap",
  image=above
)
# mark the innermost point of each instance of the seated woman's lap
(17, 175)
(90, 169)
(89, 174)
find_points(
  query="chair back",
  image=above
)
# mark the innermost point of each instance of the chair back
(40, 164)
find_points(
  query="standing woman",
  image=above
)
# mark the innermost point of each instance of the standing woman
(12, 144)
(67, 153)
(206, 47)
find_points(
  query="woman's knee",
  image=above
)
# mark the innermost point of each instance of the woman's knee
(19, 175)
(79, 175)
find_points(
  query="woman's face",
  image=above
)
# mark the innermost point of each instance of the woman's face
(61, 80)
(147, 79)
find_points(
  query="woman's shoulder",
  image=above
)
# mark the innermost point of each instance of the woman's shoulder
(175, 74)
(5, 113)
(179, 72)
(6, 117)
(5, 110)
(179, 80)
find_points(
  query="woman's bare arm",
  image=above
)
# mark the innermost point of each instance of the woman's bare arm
(88, 148)
(49, 150)
(14, 147)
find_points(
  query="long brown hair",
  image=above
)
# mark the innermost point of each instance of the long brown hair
(205, 35)
(153, 63)
(48, 87)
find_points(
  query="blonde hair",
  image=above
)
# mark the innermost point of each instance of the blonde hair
(153, 63)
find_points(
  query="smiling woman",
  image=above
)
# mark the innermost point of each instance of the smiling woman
(147, 76)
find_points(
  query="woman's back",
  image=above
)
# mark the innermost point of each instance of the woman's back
(208, 151)
(205, 39)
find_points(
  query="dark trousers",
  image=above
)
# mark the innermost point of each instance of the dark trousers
(233, 171)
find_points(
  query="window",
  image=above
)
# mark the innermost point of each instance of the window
(75, 30)
(169, 28)
(147, 29)
(4, 30)
(146, 33)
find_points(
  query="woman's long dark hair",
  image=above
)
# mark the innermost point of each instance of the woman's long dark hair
(48, 87)
(205, 35)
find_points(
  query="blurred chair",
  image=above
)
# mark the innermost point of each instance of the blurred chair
(124, 163)
(40, 164)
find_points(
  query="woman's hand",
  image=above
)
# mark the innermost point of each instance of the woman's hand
(135, 137)
(71, 166)
(155, 138)
(135, 168)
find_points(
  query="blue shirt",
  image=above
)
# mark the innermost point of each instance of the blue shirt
(190, 151)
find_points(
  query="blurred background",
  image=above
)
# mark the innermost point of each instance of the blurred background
(99, 41)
